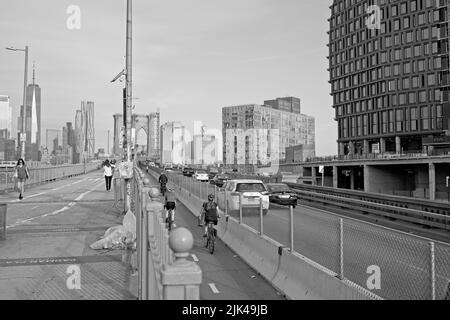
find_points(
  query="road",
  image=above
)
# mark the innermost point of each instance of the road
(403, 259)
(50, 230)
(225, 275)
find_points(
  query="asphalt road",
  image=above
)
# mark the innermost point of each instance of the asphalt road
(225, 275)
(404, 260)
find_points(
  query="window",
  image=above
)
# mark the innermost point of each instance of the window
(424, 116)
(399, 120)
(413, 119)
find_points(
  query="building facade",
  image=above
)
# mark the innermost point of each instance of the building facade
(288, 104)
(389, 80)
(259, 135)
(173, 143)
(6, 115)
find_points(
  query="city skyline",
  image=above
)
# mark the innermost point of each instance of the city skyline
(180, 66)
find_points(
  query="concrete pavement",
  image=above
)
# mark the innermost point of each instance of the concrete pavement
(49, 233)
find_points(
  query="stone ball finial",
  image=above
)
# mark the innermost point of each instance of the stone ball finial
(146, 181)
(153, 193)
(181, 241)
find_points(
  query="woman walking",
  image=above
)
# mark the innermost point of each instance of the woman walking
(21, 174)
(108, 170)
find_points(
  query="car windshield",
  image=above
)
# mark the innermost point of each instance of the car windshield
(244, 187)
(279, 188)
(201, 172)
(222, 177)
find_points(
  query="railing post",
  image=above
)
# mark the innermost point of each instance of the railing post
(261, 222)
(291, 220)
(341, 248)
(181, 280)
(240, 207)
(226, 202)
(433, 270)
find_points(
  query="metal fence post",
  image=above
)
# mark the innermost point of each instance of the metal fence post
(433, 270)
(226, 201)
(240, 207)
(291, 215)
(341, 249)
(261, 224)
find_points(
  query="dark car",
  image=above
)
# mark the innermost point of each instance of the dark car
(219, 180)
(280, 193)
(212, 173)
(188, 172)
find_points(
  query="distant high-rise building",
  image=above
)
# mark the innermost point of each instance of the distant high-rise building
(259, 135)
(83, 139)
(51, 135)
(288, 104)
(32, 121)
(173, 143)
(6, 115)
(205, 148)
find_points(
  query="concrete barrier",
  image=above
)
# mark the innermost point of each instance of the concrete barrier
(296, 276)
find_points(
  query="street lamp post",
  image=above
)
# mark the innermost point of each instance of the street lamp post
(24, 121)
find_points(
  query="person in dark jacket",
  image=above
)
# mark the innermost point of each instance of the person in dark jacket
(21, 173)
(210, 213)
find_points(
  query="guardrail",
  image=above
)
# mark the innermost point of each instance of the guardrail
(163, 271)
(389, 263)
(411, 210)
(47, 174)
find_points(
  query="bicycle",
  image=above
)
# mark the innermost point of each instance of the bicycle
(169, 220)
(210, 238)
(163, 189)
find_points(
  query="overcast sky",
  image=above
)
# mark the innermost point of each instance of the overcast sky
(191, 58)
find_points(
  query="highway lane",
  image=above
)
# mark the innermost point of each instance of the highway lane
(225, 275)
(48, 199)
(404, 260)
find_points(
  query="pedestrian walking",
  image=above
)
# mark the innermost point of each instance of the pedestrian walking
(108, 170)
(21, 174)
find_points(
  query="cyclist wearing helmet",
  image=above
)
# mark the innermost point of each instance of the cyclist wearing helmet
(170, 204)
(163, 181)
(209, 209)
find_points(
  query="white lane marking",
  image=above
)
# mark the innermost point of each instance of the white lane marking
(194, 257)
(213, 288)
(71, 204)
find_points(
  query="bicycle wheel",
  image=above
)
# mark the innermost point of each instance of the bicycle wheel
(212, 241)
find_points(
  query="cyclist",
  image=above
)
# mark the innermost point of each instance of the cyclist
(209, 210)
(163, 181)
(170, 204)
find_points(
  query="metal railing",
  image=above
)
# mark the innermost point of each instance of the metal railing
(46, 174)
(391, 264)
(163, 271)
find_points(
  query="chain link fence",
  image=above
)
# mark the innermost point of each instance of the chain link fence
(389, 263)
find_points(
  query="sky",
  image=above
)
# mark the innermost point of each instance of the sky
(190, 59)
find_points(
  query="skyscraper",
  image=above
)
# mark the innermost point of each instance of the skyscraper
(32, 120)
(5, 115)
(390, 83)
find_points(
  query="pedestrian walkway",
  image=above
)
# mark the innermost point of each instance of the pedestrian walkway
(47, 247)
